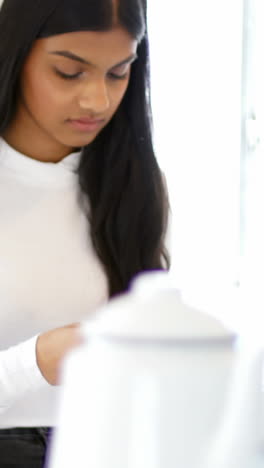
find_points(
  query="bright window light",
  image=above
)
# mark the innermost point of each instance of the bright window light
(196, 51)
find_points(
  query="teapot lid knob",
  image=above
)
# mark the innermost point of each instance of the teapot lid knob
(153, 309)
(144, 284)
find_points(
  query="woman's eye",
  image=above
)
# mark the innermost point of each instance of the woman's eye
(112, 75)
(66, 76)
(115, 76)
(122, 75)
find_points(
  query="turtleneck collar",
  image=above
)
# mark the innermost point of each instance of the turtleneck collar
(39, 171)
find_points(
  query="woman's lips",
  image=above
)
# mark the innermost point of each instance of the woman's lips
(86, 125)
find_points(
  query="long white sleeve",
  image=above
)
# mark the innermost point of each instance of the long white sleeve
(50, 276)
(19, 373)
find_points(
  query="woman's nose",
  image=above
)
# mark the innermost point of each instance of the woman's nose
(95, 97)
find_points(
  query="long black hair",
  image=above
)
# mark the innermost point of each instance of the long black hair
(118, 174)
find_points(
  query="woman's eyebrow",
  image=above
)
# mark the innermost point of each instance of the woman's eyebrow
(76, 58)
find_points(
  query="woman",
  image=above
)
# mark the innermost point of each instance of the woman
(83, 203)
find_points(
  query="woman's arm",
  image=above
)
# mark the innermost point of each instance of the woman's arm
(51, 348)
(34, 363)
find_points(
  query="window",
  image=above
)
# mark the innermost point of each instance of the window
(252, 233)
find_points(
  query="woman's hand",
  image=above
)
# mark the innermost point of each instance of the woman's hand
(51, 349)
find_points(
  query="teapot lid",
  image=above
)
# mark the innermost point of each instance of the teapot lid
(154, 309)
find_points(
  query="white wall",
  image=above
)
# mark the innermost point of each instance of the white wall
(196, 51)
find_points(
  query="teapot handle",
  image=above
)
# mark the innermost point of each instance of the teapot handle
(239, 439)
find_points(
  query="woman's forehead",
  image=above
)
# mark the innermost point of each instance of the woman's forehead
(103, 49)
(116, 40)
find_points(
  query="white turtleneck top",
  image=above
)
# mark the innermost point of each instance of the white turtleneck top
(50, 276)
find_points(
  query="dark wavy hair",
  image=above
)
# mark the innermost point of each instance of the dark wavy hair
(118, 173)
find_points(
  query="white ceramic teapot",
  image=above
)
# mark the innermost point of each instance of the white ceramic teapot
(150, 387)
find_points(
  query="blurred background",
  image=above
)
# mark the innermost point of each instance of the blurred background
(208, 106)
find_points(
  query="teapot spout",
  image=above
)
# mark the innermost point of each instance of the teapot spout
(239, 441)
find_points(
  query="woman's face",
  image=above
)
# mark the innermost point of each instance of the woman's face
(68, 77)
